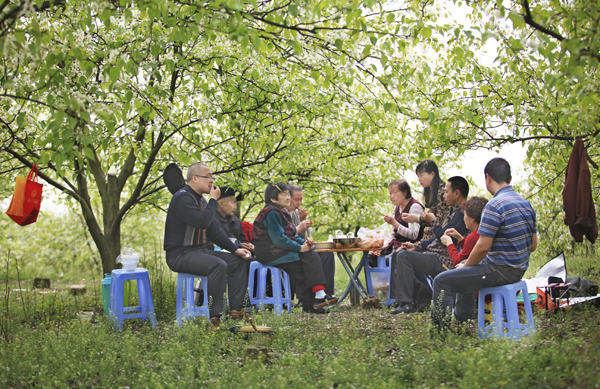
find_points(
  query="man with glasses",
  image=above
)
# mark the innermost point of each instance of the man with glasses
(190, 224)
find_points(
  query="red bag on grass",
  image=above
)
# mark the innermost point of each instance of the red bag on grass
(27, 198)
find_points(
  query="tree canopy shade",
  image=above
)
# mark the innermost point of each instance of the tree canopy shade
(337, 96)
(102, 95)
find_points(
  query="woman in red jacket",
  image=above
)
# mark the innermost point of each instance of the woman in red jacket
(472, 210)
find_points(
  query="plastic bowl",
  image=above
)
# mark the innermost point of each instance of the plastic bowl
(129, 264)
(323, 245)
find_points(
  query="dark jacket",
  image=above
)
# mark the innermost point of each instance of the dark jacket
(190, 222)
(578, 203)
(231, 226)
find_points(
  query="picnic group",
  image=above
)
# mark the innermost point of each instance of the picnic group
(448, 244)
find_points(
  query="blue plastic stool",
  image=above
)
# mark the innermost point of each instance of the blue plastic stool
(382, 268)
(185, 291)
(505, 297)
(144, 311)
(259, 299)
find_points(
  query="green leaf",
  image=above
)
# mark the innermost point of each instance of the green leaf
(89, 153)
(293, 9)
(339, 44)
(114, 73)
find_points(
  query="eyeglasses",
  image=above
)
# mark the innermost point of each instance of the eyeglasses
(209, 177)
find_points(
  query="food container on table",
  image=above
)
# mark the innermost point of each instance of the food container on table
(324, 245)
(344, 241)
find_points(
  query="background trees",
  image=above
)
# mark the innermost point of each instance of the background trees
(103, 95)
(338, 97)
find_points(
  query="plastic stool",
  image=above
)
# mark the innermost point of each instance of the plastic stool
(146, 308)
(260, 298)
(505, 297)
(382, 268)
(185, 291)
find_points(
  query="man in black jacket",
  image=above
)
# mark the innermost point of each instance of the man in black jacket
(190, 224)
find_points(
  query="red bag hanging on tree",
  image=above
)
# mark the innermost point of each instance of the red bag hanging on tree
(27, 198)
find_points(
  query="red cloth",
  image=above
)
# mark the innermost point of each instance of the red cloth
(466, 245)
(247, 228)
(578, 203)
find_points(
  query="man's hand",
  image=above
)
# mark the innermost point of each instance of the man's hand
(429, 216)
(410, 217)
(305, 247)
(310, 241)
(389, 219)
(302, 213)
(451, 232)
(303, 226)
(446, 240)
(376, 253)
(408, 246)
(460, 266)
(243, 253)
(248, 246)
(215, 192)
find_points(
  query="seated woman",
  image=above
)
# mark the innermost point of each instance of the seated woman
(401, 198)
(472, 210)
(277, 244)
(433, 195)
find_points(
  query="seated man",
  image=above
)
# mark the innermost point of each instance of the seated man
(500, 256)
(299, 219)
(431, 257)
(190, 222)
(229, 223)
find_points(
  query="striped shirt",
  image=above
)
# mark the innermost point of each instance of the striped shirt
(510, 220)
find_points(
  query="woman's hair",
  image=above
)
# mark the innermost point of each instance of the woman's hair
(273, 190)
(473, 207)
(402, 187)
(430, 194)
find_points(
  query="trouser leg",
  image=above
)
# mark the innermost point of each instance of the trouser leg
(465, 281)
(222, 270)
(237, 278)
(328, 264)
(200, 263)
(307, 273)
(405, 265)
(465, 307)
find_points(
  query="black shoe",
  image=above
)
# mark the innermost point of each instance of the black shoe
(315, 310)
(405, 308)
(328, 300)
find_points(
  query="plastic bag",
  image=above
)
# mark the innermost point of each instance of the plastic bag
(374, 239)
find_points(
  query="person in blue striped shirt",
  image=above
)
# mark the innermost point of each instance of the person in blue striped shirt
(500, 256)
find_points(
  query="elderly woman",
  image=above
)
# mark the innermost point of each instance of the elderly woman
(404, 203)
(277, 244)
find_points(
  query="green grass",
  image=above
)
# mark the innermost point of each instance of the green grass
(46, 345)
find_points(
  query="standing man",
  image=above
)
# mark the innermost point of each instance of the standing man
(299, 219)
(433, 257)
(190, 222)
(501, 255)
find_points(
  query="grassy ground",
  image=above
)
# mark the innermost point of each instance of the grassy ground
(44, 344)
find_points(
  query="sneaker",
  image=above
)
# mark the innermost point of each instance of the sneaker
(315, 310)
(405, 308)
(322, 303)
